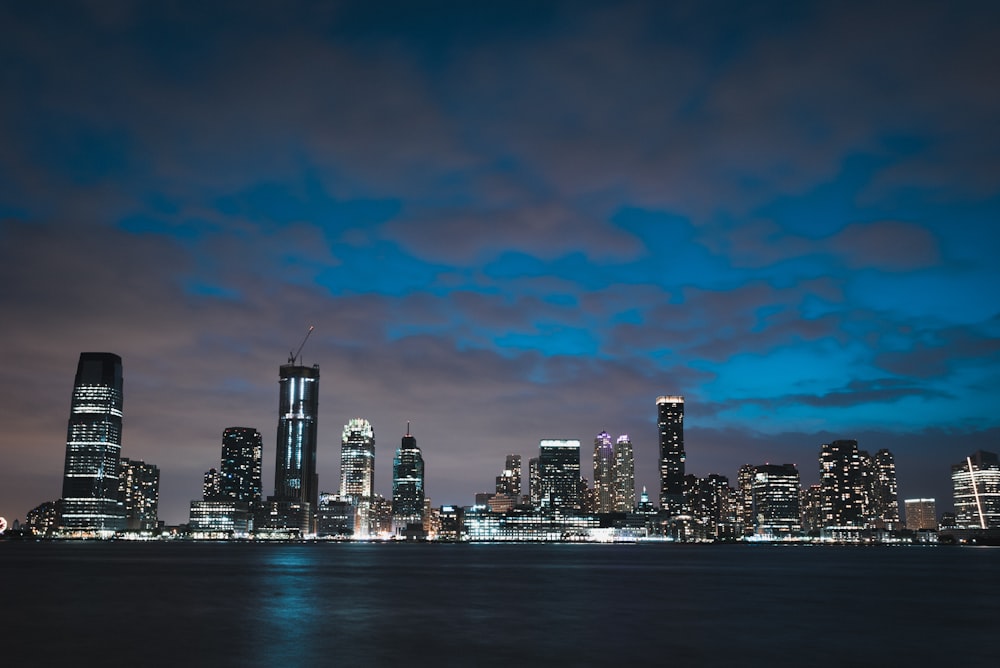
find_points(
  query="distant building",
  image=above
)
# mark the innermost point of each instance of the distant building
(509, 481)
(139, 491)
(211, 485)
(604, 473)
(811, 506)
(559, 474)
(219, 519)
(335, 516)
(843, 480)
(714, 508)
(43, 520)
(884, 494)
(776, 501)
(534, 483)
(744, 493)
(624, 475)
(90, 503)
(295, 478)
(921, 514)
(670, 423)
(976, 486)
(240, 465)
(357, 472)
(407, 484)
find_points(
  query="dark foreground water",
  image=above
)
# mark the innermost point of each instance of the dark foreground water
(197, 604)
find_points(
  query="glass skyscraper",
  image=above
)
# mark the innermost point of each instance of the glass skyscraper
(90, 502)
(670, 422)
(976, 486)
(624, 478)
(139, 491)
(407, 483)
(357, 472)
(559, 474)
(295, 478)
(776, 490)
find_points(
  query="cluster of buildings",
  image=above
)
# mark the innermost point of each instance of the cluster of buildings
(107, 495)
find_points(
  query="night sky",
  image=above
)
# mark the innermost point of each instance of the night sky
(507, 222)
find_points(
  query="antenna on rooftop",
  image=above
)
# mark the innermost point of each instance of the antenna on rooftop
(294, 356)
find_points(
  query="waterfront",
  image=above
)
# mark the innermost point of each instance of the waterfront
(356, 604)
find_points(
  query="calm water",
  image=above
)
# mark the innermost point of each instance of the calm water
(164, 604)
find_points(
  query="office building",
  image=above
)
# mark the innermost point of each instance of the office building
(357, 472)
(921, 514)
(559, 474)
(776, 501)
(407, 484)
(534, 483)
(884, 493)
(624, 475)
(976, 486)
(670, 423)
(335, 516)
(844, 484)
(211, 485)
(219, 519)
(240, 465)
(604, 473)
(509, 481)
(295, 478)
(90, 503)
(744, 493)
(139, 492)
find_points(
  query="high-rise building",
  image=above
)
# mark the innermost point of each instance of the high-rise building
(139, 491)
(211, 485)
(776, 501)
(624, 476)
(295, 478)
(713, 508)
(670, 422)
(884, 494)
(534, 483)
(976, 486)
(93, 448)
(407, 484)
(604, 473)
(744, 483)
(921, 514)
(509, 481)
(357, 472)
(239, 471)
(811, 509)
(559, 474)
(844, 484)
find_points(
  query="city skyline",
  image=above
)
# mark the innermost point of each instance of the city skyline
(506, 223)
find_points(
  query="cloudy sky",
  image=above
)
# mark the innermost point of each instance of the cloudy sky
(507, 221)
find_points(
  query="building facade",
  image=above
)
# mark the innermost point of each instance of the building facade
(624, 476)
(604, 473)
(139, 491)
(90, 495)
(509, 480)
(407, 484)
(357, 471)
(776, 490)
(559, 474)
(976, 486)
(240, 465)
(921, 514)
(670, 424)
(295, 478)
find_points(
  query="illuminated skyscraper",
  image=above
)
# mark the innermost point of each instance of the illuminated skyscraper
(776, 501)
(884, 495)
(624, 478)
(407, 484)
(534, 483)
(604, 473)
(670, 421)
(976, 485)
(509, 482)
(239, 471)
(357, 471)
(139, 491)
(921, 514)
(295, 478)
(844, 484)
(559, 474)
(90, 501)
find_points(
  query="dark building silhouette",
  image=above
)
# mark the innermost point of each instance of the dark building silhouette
(670, 422)
(559, 474)
(407, 483)
(239, 468)
(509, 482)
(91, 503)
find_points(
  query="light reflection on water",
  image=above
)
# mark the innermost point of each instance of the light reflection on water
(493, 605)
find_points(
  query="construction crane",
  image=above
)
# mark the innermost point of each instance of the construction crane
(294, 356)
